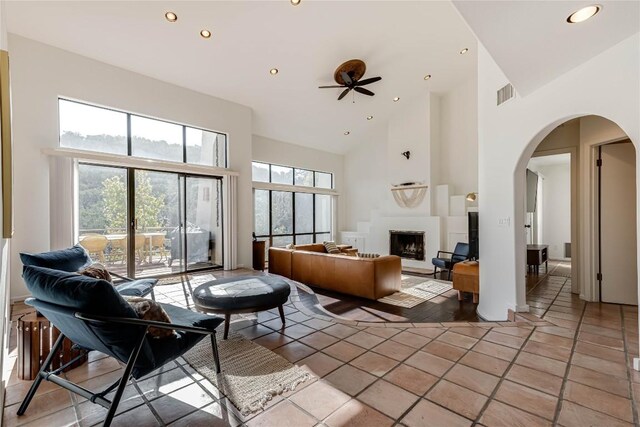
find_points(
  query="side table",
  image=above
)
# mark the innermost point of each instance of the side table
(36, 336)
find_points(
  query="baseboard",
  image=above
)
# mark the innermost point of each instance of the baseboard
(14, 300)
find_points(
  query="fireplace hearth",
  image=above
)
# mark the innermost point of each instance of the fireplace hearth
(407, 244)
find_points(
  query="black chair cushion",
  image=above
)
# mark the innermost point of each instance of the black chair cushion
(461, 251)
(136, 288)
(76, 292)
(441, 263)
(71, 259)
(242, 293)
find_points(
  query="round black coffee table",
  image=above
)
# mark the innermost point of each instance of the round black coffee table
(242, 294)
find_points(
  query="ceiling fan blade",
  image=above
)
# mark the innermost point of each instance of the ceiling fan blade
(346, 78)
(368, 81)
(363, 91)
(344, 93)
(326, 87)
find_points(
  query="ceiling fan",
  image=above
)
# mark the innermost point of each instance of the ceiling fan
(348, 76)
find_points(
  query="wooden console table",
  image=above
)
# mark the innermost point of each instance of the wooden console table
(536, 255)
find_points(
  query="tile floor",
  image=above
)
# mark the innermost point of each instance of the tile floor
(570, 369)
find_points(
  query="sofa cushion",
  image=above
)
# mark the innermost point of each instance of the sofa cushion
(368, 255)
(71, 259)
(331, 247)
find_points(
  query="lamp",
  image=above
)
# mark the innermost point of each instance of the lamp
(472, 197)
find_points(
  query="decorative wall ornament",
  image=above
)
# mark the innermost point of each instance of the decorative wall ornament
(410, 194)
(407, 154)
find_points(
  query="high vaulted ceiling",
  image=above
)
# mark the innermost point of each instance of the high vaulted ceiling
(532, 42)
(400, 41)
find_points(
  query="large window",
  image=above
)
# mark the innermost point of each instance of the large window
(284, 217)
(87, 127)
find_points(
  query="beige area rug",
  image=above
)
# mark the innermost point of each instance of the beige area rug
(251, 374)
(416, 290)
(562, 270)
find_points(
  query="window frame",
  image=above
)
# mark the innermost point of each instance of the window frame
(129, 135)
(294, 169)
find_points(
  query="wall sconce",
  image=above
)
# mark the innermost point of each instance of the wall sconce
(472, 197)
(407, 154)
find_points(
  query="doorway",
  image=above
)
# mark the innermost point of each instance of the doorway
(143, 223)
(617, 267)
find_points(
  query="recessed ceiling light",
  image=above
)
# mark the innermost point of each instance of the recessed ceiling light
(273, 71)
(463, 51)
(396, 99)
(583, 14)
(427, 77)
(295, 2)
(347, 133)
(171, 17)
(369, 117)
(205, 34)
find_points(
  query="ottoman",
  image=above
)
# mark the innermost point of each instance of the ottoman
(465, 278)
(242, 294)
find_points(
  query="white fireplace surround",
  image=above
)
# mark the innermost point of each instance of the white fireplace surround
(373, 236)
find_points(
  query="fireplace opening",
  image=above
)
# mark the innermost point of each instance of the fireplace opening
(407, 244)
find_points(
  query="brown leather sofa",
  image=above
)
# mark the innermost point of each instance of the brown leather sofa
(371, 278)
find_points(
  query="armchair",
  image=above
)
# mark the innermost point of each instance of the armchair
(94, 316)
(460, 253)
(76, 258)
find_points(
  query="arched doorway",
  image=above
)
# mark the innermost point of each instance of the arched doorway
(602, 240)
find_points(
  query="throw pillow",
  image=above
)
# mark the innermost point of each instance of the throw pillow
(97, 271)
(150, 310)
(290, 246)
(331, 247)
(365, 255)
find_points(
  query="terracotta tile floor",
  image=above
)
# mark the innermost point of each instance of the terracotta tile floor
(571, 369)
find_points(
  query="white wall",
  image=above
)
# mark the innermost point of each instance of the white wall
(41, 73)
(459, 137)
(282, 153)
(556, 206)
(606, 85)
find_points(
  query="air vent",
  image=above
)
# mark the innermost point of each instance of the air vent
(505, 93)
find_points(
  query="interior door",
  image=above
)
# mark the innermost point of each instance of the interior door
(617, 198)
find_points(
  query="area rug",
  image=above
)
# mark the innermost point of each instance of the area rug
(562, 270)
(251, 374)
(416, 290)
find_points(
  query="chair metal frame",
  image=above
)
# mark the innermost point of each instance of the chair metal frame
(450, 261)
(120, 384)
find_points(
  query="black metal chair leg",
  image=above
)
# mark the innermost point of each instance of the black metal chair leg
(281, 311)
(214, 349)
(40, 376)
(124, 380)
(449, 274)
(227, 321)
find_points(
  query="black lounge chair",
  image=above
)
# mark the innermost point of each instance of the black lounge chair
(95, 317)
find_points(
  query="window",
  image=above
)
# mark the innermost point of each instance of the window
(275, 174)
(87, 127)
(283, 217)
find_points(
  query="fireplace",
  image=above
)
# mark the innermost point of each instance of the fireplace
(407, 244)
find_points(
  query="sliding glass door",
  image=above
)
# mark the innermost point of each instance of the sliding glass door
(148, 223)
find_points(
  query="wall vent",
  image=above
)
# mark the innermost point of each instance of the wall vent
(505, 93)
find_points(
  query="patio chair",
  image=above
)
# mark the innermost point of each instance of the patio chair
(94, 316)
(95, 244)
(76, 258)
